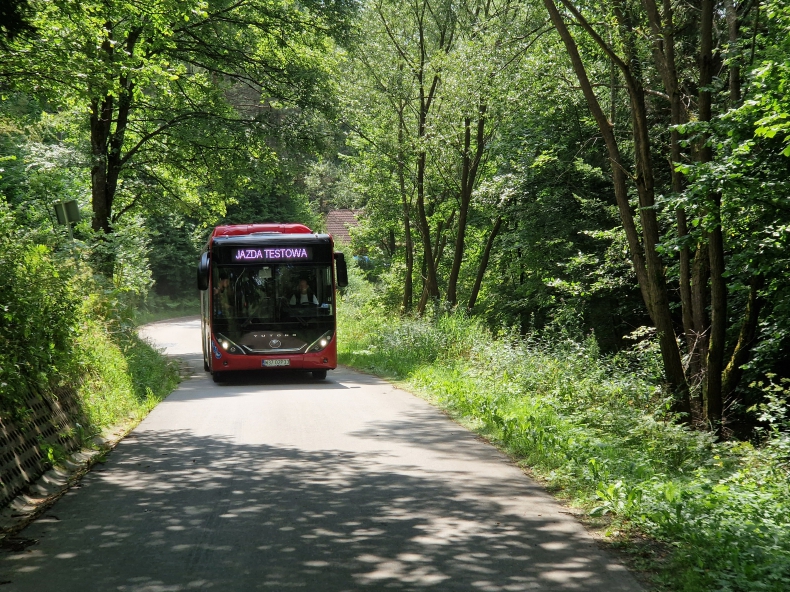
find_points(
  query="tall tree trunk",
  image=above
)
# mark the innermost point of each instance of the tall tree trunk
(735, 70)
(733, 372)
(712, 390)
(408, 280)
(699, 295)
(647, 263)
(470, 165)
(645, 184)
(481, 270)
(101, 200)
(748, 333)
(431, 285)
(106, 143)
(663, 29)
(426, 96)
(427, 85)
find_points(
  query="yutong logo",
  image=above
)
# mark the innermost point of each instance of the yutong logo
(264, 335)
(275, 343)
(271, 254)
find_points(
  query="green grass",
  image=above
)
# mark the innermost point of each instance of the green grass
(122, 377)
(597, 430)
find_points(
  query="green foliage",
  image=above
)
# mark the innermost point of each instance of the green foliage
(65, 327)
(748, 173)
(39, 307)
(772, 79)
(185, 107)
(122, 377)
(559, 252)
(597, 429)
(176, 242)
(14, 20)
(54, 453)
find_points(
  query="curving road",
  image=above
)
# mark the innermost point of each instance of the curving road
(279, 482)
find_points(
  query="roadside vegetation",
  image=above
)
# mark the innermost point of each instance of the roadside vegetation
(572, 216)
(598, 431)
(153, 122)
(66, 329)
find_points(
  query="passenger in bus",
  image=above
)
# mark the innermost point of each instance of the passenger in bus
(304, 295)
(222, 293)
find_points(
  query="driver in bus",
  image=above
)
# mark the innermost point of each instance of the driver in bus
(223, 285)
(304, 295)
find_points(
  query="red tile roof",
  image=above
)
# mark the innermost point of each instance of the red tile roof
(339, 221)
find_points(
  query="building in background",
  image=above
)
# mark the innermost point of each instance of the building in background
(338, 223)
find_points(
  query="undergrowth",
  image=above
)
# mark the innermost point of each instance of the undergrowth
(64, 327)
(598, 430)
(123, 377)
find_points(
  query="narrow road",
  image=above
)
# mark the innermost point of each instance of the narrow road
(279, 482)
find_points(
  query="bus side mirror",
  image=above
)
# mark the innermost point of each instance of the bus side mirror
(202, 272)
(342, 270)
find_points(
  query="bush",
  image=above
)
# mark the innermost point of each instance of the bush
(598, 429)
(64, 326)
(40, 310)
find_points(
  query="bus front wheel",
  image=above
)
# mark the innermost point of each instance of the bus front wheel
(319, 374)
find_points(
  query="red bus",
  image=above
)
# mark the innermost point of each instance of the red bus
(267, 299)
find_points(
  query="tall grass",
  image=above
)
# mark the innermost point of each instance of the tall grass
(122, 378)
(597, 429)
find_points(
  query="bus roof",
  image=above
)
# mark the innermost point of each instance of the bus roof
(242, 229)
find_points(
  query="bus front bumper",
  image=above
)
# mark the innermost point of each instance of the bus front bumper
(222, 361)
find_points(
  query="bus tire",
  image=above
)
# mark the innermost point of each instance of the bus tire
(206, 367)
(319, 374)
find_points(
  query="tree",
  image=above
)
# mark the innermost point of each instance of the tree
(432, 86)
(403, 71)
(718, 336)
(161, 82)
(14, 21)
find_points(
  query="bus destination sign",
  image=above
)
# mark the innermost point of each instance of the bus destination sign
(272, 254)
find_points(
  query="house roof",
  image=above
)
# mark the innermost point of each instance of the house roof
(339, 221)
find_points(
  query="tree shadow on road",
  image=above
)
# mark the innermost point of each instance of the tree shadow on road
(175, 511)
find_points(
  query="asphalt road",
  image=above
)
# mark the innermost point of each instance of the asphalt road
(280, 482)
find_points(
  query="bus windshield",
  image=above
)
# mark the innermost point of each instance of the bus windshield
(272, 308)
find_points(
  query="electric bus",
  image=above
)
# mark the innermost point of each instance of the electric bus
(268, 299)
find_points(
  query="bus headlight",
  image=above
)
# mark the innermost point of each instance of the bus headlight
(321, 342)
(229, 346)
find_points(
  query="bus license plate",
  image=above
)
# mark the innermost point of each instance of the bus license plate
(280, 362)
